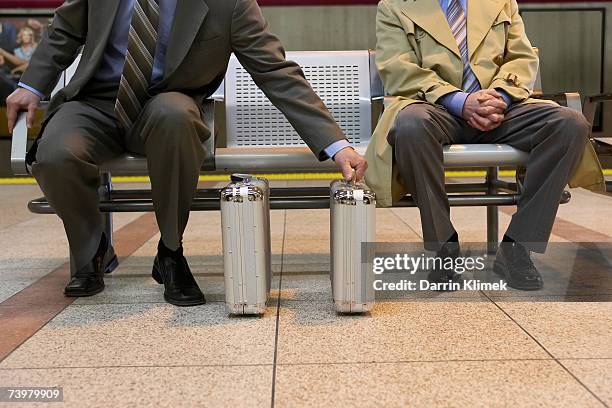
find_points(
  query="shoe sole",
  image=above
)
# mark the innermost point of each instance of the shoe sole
(186, 303)
(83, 294)
(500, 270)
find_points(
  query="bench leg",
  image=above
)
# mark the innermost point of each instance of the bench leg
(72, 264)
(492, 213)
(106, 187)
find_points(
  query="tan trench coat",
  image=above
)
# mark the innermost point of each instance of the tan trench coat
(419, 61)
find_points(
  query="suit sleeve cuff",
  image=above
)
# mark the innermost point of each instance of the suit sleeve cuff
(453, 102)
(29, 88)
(335, 147)
(506, 97)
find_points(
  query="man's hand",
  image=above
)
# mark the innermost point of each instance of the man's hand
(484, 110)
(353, 166)
(19, 101)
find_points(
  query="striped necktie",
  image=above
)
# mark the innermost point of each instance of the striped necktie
(458, 23)
(136, 77)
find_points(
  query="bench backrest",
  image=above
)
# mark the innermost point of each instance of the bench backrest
(345, 81)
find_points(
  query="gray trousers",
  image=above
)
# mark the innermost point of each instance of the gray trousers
(83, 134)
(554, 136)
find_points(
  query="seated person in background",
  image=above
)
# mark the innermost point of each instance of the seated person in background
(21, 56)
(8, 36)
(465, 75)
(8, 42)
(27, 45)
(146, 67)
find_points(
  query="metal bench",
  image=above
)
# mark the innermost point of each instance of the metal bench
(259, 139)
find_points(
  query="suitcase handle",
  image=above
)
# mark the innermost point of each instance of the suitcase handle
(241, 178)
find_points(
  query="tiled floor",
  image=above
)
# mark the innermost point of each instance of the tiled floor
(126, 347)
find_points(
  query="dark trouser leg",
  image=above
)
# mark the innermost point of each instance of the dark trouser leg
(75, 140)
(417, 137)
(170, 132)
(555, 138)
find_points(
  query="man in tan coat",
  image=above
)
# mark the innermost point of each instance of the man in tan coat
(463, 72)
(146, 67)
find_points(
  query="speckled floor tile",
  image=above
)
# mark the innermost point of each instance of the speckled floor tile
(12, 287)
(307, 225)
(13, 281)
(151, 386)
(391, 228)
(41, 242)
(431, 384)
(309, 262)
(148, 335)
(14, 200)
(306, 287)
(470, 222)
(307, 248)
(37, 243)
(583, 199)
(311, 332)
(595, 374)
(567, 329)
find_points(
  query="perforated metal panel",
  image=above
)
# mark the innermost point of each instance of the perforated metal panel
(341, 79)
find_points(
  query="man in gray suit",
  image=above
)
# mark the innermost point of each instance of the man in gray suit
(146, 66)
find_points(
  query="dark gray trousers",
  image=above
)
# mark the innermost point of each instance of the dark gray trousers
(554, 136)
(83, 134)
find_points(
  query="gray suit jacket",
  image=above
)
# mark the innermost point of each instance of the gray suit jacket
(204, 34)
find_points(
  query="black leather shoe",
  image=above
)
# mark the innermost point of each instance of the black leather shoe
(514, 264)
(89, 280)
(181, 288)
(443, 275)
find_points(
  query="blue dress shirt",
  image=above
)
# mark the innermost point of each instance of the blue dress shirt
(113, 59)
(454, 101)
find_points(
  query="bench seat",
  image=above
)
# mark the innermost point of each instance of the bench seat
(279, 159)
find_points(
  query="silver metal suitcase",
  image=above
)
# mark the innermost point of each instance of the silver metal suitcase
(245, 220)
(353, 222)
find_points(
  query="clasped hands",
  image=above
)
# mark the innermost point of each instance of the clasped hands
(484, 110)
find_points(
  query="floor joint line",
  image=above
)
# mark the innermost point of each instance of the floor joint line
(278, 304)
(555, 359)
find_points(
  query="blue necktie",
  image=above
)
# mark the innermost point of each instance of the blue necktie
(458, 23)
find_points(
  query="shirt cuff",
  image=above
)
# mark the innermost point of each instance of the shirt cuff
(506, 97)
(29, 88)
(453, 102)
(335, 147)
